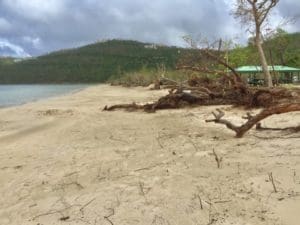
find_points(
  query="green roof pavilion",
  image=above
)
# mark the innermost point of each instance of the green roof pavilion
(258, 69)
(281, 74)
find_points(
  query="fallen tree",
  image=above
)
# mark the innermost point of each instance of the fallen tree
(255, 120)
(197, 92)
(273, 101)
(227, 89)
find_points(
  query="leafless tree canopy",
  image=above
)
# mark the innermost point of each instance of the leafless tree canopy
(254, 13)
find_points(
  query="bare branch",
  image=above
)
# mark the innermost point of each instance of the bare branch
(273, 183)
(252, 120)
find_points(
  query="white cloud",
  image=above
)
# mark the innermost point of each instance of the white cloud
(4, 25)
(34, 41)
(41, 26)
(36, 9)
(14, 50)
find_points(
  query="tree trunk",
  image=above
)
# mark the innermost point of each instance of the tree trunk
(276, 78)
(267, 75)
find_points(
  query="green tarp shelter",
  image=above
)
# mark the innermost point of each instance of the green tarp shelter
(282, 74)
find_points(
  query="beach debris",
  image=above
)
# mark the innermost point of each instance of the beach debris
(272, 181)
(64, 218)
(218, 159)
(112, 213)
(273, 101)
(227, 88)
(255, 120)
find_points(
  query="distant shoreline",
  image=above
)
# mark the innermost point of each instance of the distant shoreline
(37, 94)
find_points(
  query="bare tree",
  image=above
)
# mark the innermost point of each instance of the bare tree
(254, 14)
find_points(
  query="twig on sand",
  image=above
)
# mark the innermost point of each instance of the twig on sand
(273, 183)
(85, 205)
(222, 201)
(150, 167)
(218, 159)
(61, 211)
(53, 212)
(211, 219)
(200, 201)
(107, 218)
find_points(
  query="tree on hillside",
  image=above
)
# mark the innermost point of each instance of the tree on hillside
(278, 42)
(254, 14)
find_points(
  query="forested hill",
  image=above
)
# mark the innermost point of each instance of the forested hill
(100, 61)
(92, 63)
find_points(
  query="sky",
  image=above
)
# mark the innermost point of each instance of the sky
(36, 27)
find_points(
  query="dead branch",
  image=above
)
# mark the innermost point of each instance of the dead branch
(200, 202)
(62, 211)
(235, 80)
(253, 120)
(218, 159)
(273, 183)
(112, 213)
(64, 218)
(222, 62)
(129, 107)
(85, 205)
(215, 94)
(150, 167)
(222, 201)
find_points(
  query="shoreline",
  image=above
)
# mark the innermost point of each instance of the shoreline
(48, 97)
(64, 160)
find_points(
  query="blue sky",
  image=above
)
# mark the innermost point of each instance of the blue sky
(35, 27)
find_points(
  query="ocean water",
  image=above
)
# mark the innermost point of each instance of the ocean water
(11, 95)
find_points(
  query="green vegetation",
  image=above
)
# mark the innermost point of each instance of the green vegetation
(6, 61)
(132, 61)
(145, 77)
(281, 48)
(92, 63)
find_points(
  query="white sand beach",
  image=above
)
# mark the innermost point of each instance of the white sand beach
(65, 161)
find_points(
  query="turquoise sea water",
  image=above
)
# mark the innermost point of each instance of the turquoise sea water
(11, 95)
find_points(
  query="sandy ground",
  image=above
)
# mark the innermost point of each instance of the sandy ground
(64, 161)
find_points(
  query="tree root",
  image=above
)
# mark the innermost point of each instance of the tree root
(253, 120)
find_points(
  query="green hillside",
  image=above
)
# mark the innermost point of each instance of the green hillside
(112, 59)
(91, 63)
(6, 61)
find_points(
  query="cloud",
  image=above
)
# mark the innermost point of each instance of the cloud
(41, 26)
(35, 42)
(39, 10)
(9, 49)
(4, 25)
(290, 10)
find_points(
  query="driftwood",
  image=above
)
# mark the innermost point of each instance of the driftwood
(228, 89)
(273, 101)
(170, 101)
(253, 120)
(215, 93)
(128, 107)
